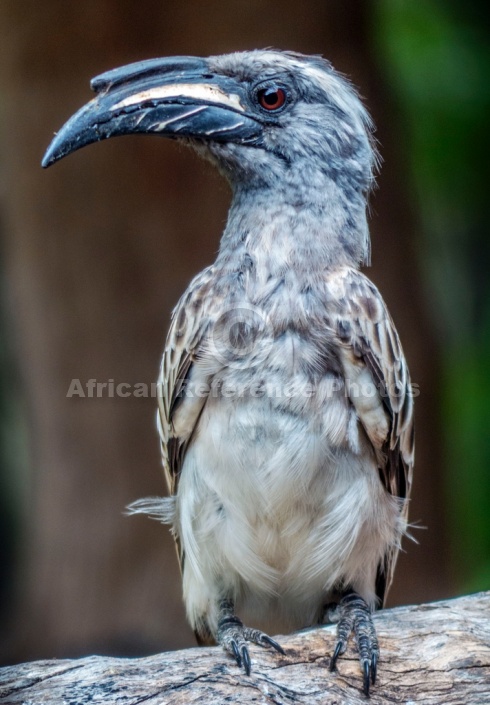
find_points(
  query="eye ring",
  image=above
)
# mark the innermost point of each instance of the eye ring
(271, 98)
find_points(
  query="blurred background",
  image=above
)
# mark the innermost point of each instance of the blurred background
(96, 251)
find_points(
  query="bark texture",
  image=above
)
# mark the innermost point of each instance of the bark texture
(435, 654)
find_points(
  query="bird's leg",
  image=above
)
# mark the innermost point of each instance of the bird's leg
(355, 616)
(233, 636)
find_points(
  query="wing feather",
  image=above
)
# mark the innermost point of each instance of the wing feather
(368, 341)
(188, 326)
(190, 321)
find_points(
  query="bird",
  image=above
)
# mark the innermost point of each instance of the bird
(285, 409)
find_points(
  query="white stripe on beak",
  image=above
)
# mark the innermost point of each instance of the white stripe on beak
(200, 91)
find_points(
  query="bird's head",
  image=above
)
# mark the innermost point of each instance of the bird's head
(261, 115)
(270, 120)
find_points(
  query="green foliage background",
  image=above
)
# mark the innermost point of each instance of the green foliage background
(438, 61)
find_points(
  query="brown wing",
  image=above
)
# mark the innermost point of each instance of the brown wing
(369, 342)
(190, 321)
(178, 408)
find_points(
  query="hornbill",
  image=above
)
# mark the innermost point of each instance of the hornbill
(285, 406)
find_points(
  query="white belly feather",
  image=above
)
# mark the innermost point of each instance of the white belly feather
(280, 502)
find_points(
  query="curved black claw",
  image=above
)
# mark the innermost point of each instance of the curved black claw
(366, 677)
(336, 654)
(233, 637)
(236, 652)
(242, 657)
(355, 616)
(374, 668)
(258, 637)
(247, 665)
(274, 644)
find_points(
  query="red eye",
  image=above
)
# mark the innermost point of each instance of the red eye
(271, 98)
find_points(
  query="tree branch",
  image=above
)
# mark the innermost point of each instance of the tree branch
(435, 654)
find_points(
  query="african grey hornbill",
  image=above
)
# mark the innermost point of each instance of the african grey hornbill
(285, 410)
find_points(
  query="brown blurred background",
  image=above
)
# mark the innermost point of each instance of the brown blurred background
(97, 250)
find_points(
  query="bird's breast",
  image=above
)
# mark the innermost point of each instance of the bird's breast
(275, 320)
(277, 403)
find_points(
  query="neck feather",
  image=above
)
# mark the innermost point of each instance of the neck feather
(295, 229)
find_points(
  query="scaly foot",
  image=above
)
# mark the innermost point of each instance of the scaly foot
(355, 616)
(233, 636)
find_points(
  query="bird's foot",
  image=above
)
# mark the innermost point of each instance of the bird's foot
(355, 616)
(233, 636)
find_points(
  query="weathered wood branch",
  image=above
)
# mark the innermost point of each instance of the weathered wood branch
(435, 654)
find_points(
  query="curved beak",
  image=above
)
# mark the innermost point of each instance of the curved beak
(174, 97)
